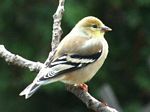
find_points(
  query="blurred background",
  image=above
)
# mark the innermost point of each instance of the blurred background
(124, 80)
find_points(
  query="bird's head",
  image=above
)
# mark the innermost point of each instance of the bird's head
(92, 26)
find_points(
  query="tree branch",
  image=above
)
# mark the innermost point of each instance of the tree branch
(85, 97)
(89, 100)
(57, 31)
(18, 60)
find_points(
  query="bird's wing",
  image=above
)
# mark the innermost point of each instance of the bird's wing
(72, 53)
(67, 63)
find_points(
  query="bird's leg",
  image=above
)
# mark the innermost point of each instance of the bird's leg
(84, 87)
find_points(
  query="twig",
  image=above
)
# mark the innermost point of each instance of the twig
(85, 97)
(57, 31)
(89, 100)
(18, 60)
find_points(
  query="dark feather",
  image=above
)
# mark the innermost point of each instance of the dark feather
(85, 60)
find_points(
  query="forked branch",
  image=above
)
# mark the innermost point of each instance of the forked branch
(85, 97)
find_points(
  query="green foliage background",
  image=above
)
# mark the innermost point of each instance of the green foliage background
(26, 29)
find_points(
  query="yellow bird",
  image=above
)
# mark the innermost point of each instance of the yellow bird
(77, 58)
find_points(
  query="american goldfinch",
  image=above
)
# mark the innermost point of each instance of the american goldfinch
(77, 58)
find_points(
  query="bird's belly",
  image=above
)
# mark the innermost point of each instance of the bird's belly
(82, 75)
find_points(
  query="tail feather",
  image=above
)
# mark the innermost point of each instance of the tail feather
(30, 90)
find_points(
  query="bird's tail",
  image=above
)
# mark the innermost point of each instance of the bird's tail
(30, 90)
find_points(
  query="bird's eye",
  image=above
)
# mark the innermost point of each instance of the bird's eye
(94, 26)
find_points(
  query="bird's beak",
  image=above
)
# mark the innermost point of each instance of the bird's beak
(106, 28)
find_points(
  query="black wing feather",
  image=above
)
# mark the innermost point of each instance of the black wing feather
(85, 60)
(76, 65)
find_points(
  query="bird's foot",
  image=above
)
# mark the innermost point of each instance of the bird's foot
(84, 87)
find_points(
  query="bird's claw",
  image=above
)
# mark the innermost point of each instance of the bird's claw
(84, 87)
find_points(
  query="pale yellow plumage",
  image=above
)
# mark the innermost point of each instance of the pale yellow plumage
(85, 39)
